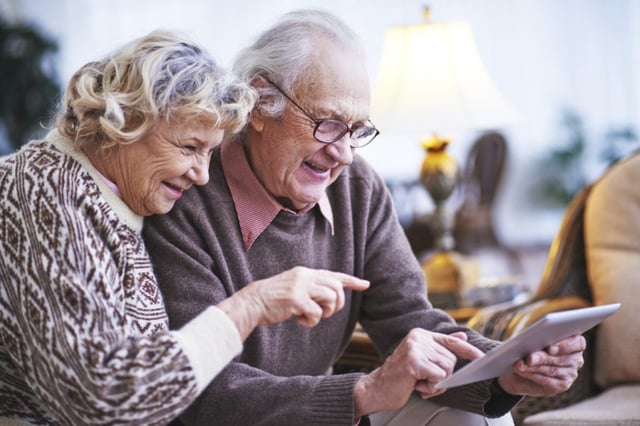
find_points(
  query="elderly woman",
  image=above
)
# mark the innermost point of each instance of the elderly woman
(84, 336)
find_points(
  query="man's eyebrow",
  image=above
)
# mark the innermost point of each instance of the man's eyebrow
(334, 115)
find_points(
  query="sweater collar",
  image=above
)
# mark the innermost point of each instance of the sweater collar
(133, 220)
(255, 207)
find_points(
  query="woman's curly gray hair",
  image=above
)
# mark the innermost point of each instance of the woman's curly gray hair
(162, 76)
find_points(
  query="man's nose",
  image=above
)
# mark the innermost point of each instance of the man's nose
(341, 150)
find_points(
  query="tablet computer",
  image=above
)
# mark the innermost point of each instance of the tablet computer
(547, 330)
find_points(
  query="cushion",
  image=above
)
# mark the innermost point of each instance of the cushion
(616, 406)
(612, 239)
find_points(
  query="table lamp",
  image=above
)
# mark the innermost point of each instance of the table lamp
(432, 82)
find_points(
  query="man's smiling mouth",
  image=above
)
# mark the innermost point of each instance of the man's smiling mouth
(316, 167)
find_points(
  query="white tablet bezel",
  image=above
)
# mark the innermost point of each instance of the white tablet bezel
(549, 329)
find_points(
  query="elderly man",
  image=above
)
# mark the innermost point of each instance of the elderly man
(290, 190)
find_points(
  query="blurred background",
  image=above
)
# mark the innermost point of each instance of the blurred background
(570, 69)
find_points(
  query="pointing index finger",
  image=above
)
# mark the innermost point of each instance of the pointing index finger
(355, 284)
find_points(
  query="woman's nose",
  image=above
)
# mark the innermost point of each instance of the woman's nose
(199, 172)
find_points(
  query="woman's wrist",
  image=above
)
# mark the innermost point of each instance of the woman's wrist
(243, 310)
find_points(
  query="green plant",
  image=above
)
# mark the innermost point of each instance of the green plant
(28, 83)
(563, 172)
(620, 142)
(562, 175)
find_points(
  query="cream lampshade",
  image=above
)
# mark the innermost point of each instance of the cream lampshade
(432, 82)
(431, 79)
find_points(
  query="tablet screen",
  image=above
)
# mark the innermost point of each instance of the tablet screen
(549, 329)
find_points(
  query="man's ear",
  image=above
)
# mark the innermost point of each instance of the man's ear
(256, 118)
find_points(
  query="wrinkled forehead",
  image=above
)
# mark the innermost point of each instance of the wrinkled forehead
(337, 82)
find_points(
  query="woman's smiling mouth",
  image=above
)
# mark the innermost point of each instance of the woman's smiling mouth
(175, 190)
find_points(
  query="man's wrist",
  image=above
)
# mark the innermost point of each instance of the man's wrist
(496, 388)
(360, 396)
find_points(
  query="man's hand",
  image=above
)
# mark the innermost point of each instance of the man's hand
(547, 372)
(421, 360)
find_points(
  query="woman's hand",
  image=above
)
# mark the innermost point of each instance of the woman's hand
(306, 294)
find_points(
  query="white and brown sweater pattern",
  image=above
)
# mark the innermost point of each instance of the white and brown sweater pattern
(83, 329)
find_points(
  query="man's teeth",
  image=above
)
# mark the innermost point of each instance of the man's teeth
(316, 167)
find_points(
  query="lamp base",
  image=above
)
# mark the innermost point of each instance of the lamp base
(448, 274)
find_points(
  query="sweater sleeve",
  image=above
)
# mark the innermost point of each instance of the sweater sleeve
(274, 400)
(210, 341)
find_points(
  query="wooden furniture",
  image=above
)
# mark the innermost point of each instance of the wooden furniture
(480, 181)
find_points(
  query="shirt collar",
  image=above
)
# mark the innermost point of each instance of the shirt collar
(255, 207)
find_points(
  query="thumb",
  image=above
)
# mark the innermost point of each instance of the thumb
(460, 335)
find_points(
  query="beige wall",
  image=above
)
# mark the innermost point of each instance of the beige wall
(544, 55)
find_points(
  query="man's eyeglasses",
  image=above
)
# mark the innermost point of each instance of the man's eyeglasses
(328, 130)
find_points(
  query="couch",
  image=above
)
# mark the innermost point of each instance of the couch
(593, 260)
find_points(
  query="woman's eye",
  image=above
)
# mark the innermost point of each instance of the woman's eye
(190, 149)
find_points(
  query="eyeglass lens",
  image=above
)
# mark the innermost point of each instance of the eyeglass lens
(330, 130)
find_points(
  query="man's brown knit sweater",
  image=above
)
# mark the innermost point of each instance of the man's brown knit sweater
(281, 378)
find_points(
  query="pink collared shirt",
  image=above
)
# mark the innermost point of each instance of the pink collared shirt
(112, 185)
(255, 207)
